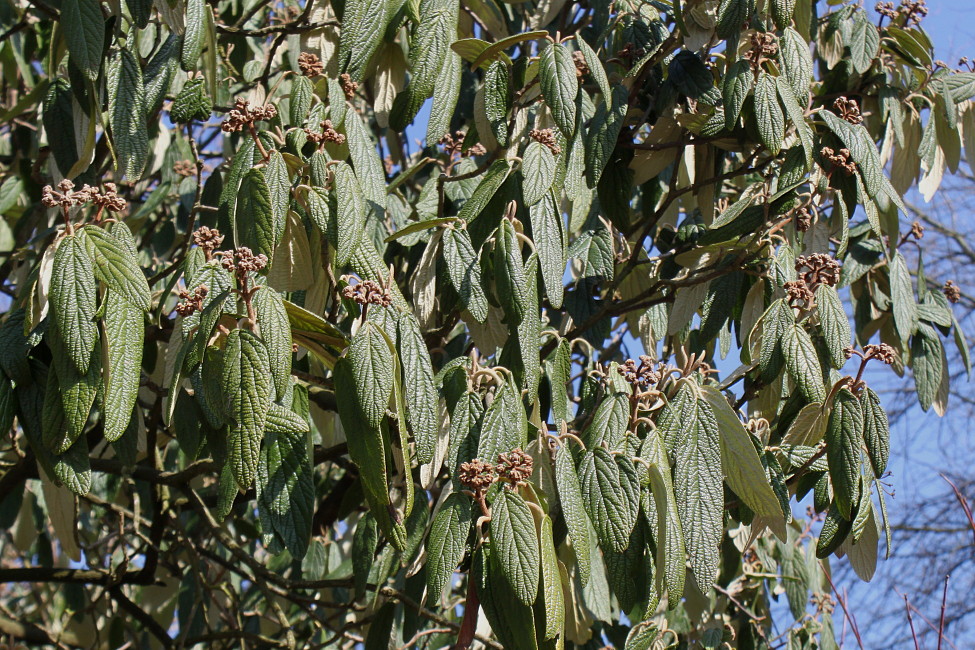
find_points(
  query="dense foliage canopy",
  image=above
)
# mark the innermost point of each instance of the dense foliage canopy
(426, 322)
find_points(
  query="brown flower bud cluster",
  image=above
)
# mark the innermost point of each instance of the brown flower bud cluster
(913, 11)
(328, 134)
(646, 374)
(310, 65)
(109, 199)
(799, 294)
(243, 115)
(65, 196)
(208, 239)
(191, 302)
(243, 261)
(349, 87)
(582, 68)
(917, 230)
(840, 159)
(184, 168)
(848, 109)
(765, 45)
(367, 292)
(454, 145)
(803, 219)
(817, 269)
(548, 138)
(515, 466)
(477, 475)
(952, 291)
(880, 351)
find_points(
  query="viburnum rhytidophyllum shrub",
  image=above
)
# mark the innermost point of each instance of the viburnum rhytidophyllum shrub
(522, 324)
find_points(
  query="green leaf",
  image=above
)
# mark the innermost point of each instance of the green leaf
(740, 461)
(509, 274)
(447, 543)
(698, 484)
(73, 468)
(548, 235)
(275, 330)
(486, 189)
(367, 164)
(573, 509)
(76, 391)
(302, 91)
(124, 339)
(501, 429)
(445, 96)
(367, 445)
(596, 69)
(864, 42)
(802, 363)
(511, 620)
(669, 532)
(844, 436)
(246, 385)
(349, 215)
(126, 114)
(516, 543)
(558, 368)
(497, 100)
(611, 494)
(774, 324)
(285, 483)
(553, 599)
(254, 218)
(422, 405)
(559, 84)
(689, 74)
(538, 172)
(782, 11)
(159, 74)
(192, 102)
(117, 267)
(769, 117)
(834, 532)
(84, 32)
(363, 26)
(927, 357)
(734, 89)
(372, 370)
(195, 35)
(429, 48)
(796, 63)
(833, 323)
(603, 132)
(73, 298)
(795, 113)
(902, 298)
(876, 431)
(279, 192)
(732, 15)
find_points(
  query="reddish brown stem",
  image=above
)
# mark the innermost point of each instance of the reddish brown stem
(469, 624)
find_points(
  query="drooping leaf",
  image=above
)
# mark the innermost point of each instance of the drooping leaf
(514, 539)
(246, 382)
(557, 75)
(74, 299)
(844, 437)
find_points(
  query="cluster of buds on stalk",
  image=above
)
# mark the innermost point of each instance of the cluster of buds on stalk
(839, 159)
(951, 291)
(548, 138)
(514, 467)
(310, 65)
(642, 376)
(328, 134)
(848, 109)
(765, 46)
(243, 115)
(880, 351)
(367, 292)
(191, 302)
(349, 87)
(208, 239)
(912, 11)
(817, 269)
(453, 145)
(66, 197)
